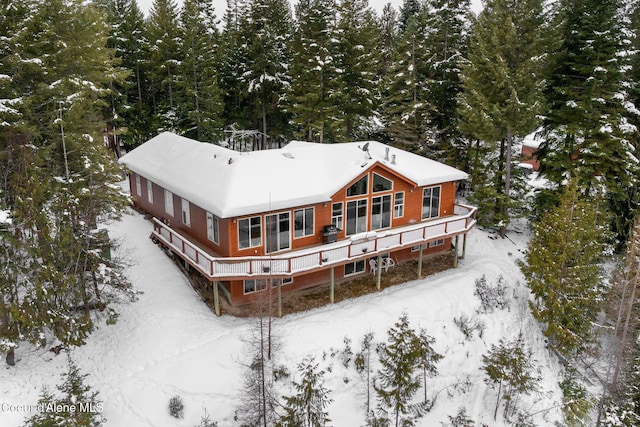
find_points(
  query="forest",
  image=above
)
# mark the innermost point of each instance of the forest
(82, 81)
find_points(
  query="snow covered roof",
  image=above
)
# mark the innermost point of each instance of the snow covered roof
(229, 183)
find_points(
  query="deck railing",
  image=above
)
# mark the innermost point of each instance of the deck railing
(313, 258)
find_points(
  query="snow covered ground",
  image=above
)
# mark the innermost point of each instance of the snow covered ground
(169, 343)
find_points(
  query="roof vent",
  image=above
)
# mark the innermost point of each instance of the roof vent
(386, 153)
(230, 160)
(393, 159)
(288, 155)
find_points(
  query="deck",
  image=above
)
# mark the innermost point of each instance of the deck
(317, 257)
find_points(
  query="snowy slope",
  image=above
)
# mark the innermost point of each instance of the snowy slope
(169, 343)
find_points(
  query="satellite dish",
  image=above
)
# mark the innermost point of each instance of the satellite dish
(366, 147)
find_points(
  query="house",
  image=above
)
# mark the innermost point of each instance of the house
(530, 145)
(295, 217)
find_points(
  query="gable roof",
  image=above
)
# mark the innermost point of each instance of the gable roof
(228, 183)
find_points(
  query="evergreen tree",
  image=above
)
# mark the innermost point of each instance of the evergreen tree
(165, 37)
(65, 184)
(508, 366)
(357, 56)
(562, 269)
(200, 105)
(86, 407)
(131, 106)
(266, 34)
(408, 10)
(447, 41)
(307, 408)
(407, 106)
(501, 84)
(587, 133)
(313, 69)
(396, 382)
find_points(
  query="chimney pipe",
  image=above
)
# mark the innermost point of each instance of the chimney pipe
(393, 159)
(386, 153)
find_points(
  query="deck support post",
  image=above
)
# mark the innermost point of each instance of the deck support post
(455, 253)
(420, 262)
(216, 297)
(464, 245)
(379, 272)
(280, 301)
(332, 285)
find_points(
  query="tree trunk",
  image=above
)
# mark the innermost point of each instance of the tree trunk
(11, 357)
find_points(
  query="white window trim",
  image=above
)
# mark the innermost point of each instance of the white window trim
(138, 186)
(439, 202)
(264, 231)
(255, 285)
(436, 243)
(213, 228)
(186, 213)
(346, 191)
(355, 272)
(168, 202)
(373, 178)
(238, 228)
(395, 195)
(366, 217)
(341, 216)
(150, 191)
(304, 225)
(381, 197)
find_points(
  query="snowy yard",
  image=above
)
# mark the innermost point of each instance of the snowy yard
(169, 343)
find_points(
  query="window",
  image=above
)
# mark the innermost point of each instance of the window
(186, 213)
(303, 222)
(381, 212)
(356, 216)
(359, 188)
(253, 285)
(435, 243)
(431, 202)
(150, 191)
(249, 232)
(138, 186)
(354, 268)
(416, 248)
(336, 215)
(213, 228)
(380, 183)
(168, 202)
(398, 205)
(279, 282)
(277, 232)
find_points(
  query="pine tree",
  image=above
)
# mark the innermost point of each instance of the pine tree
(446, 40)
(199, 103)
(164, 33)
(563, 269)
(357, 56)
(131, 105)
(587, 133)
(65, 182)
(509, 367)
(501, 89)
(313, 69)
(396, 382)
(307, 407)
(83, 406)
(266, 33)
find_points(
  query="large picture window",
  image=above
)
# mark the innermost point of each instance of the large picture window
(213, 228)
(356, 216)
(431, 202)
(249, 232)
(168, 202)
(381, 212)
(380, 183)
(337, 215)
(359, 188)
(303, 222)
(277, 232)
